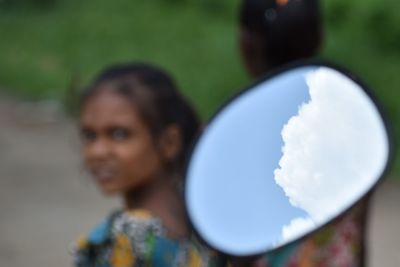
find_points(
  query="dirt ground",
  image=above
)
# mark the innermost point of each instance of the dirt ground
(46, 200)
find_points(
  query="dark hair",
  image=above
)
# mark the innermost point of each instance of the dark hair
(154, 94)
(289, 29)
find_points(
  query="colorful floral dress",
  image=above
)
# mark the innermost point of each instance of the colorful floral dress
(338, 244)
(135, 238)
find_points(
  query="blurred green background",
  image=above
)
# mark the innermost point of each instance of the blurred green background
(49, 48)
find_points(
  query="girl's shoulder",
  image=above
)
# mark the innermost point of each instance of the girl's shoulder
(94, 247)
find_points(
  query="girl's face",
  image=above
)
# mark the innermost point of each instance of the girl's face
(118, 148)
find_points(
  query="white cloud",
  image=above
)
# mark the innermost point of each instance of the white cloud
(297, 226)
(334, 148)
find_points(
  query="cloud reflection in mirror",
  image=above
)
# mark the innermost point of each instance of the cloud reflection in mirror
(327, 150)
(283, 158)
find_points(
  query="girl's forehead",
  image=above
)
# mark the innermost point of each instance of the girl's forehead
(108, 106)
(128, 90)
(105, 99)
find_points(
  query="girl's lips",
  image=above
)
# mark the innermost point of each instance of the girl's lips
(104, 174)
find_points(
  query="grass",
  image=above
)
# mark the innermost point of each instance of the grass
(44, 52)
(46, 49)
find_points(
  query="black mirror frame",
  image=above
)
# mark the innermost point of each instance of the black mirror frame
(275, 73)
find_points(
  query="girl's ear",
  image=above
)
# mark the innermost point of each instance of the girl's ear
(171, 142)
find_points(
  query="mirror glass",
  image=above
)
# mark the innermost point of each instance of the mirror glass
(283, 158)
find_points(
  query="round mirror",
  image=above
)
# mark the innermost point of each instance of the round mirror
(283, 158)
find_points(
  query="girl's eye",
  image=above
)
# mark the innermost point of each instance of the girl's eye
(120, 134)
(88, 136)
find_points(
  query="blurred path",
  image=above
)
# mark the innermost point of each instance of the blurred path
(46, 201)
(384, 226)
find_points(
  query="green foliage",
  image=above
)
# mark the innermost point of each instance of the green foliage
(384, 27)
(215, 7)
(220, 7)
(44, 50)
(18, 4)
(337, 13)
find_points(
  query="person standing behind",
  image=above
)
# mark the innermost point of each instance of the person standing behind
(274, 33)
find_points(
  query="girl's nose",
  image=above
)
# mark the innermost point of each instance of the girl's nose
(100, 149)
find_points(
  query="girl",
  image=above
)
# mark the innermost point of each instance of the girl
(136, 131)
